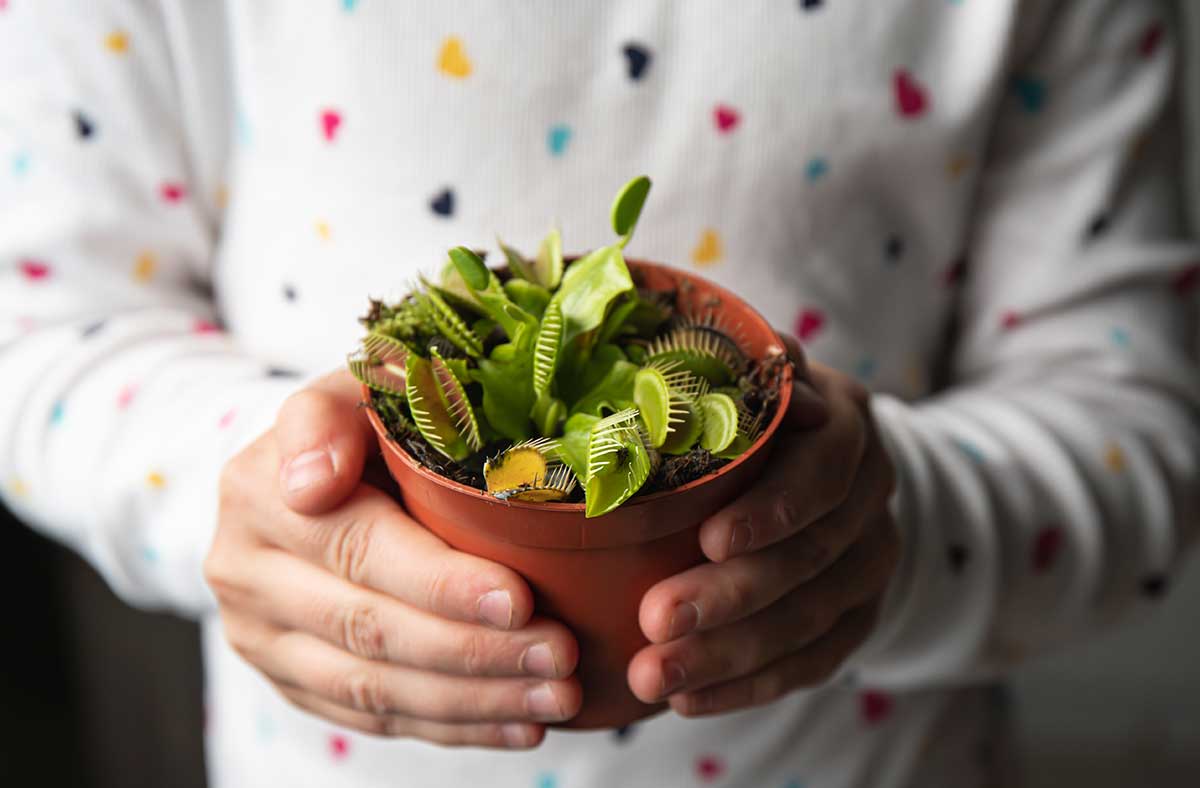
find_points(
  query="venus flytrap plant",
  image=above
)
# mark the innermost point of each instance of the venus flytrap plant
(561, 376)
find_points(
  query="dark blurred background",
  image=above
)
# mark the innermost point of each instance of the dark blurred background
(93, 694)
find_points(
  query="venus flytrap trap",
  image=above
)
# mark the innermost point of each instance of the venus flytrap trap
(552, 377)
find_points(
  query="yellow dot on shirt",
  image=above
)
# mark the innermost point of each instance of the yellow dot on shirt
(18, 488)
(156, 480)
(452, 59)
(958, 164)
(915, 377)
(117, 41)
(1114, 458)
(145, 266)
(222, 197)
(709, 250)
(323, 230)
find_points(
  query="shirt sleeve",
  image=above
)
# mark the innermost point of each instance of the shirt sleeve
(122, 395)
(1054, 482)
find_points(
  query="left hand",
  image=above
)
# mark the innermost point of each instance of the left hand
(799, 564)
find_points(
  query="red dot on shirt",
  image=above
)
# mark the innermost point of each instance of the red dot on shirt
(1151, 38)
(1010, 320)
(709, 766)
(1046, 547)
(172, 192)
(874, 706)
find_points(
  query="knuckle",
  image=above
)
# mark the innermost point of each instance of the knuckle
(474, 653)
(362, 690)
(361, 631)
(738, 594)
(766, 687)
(467, 704)
(440, 587)
(301, 405)
(349, 547)
(813, 554)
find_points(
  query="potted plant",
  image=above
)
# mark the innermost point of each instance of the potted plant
(575, 420)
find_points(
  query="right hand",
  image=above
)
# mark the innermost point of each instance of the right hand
(357, 613)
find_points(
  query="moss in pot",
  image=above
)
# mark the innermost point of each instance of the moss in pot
(576, 421)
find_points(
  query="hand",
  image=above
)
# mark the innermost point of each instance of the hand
(357, 613)
(800, 563)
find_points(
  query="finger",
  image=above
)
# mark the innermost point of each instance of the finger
(806, 408)
(372, 542)
(813, 665)
(712, 595)
(302, 660)
(794, 621)
(510, 735)
(811, 474)
(323, 436)
(293, 594)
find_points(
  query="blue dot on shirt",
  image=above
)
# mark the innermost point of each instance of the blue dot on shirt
(1120, 337)
(1030, 92)
(348, 5)
(816, 168)
(149, 554)
(969, 449)
(557, 139)
(56, 413)
(20, 163)
(546, 780)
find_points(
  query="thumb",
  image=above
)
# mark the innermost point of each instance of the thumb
(323, 437)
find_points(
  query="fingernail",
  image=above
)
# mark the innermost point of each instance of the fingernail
(495, 608)
(307, 469)
(673, 677)
(739, 539)
(684, 619)
(541, 703)
(538, 659)
(515, 735)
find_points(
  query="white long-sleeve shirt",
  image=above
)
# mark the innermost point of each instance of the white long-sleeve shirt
(970, 205)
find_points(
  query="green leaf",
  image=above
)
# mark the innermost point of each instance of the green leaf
(627, 206)
(653, 400)
(450, 325)
(686, 431)
(573, 445)
(507, 380)
(736, 448)
(613, 392)
(614, 322)
(429, 410)
(548, 412)
(588, 287)
(460, 299)
(548, 265)
(618, 463)
(470, 267)
(546, 348)
(528, 296)
(720, 421)
(454, 397)
(517, 264)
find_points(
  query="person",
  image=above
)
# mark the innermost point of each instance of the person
(966, 212)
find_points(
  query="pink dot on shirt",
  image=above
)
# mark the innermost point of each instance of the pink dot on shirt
(227, 418)
(339, 747)
(202, 326)
(125, 396)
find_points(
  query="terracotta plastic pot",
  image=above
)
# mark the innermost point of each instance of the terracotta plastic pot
(591, 574)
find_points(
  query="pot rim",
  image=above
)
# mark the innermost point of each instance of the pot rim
(785, 395)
